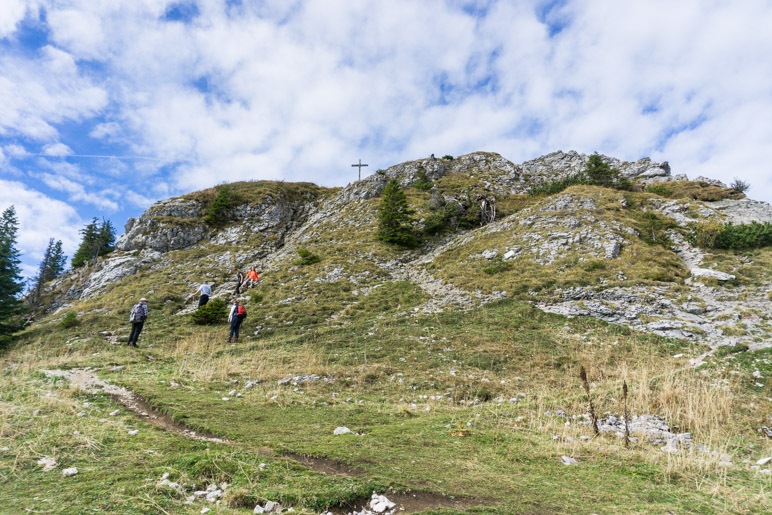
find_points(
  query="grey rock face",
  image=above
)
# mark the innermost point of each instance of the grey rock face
(565, 226)
(504, 176)
(559, 165)
(167, 225)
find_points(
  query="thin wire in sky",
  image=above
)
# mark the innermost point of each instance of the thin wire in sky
(97, 156)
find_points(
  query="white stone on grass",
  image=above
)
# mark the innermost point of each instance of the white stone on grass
(380, 504)
(568, 460)
(48, 464)
(706, 272)
(69, 472)
(342, 430)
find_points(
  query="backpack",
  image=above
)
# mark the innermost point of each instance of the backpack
(241, 312)
(137, 314)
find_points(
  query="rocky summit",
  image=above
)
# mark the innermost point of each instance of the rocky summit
(572, 334)
(581, 252)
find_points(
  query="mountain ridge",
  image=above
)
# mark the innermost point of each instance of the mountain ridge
(476, 371)
(566, 234)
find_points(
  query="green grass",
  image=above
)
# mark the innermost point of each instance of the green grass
(428, 397)
(458, 404)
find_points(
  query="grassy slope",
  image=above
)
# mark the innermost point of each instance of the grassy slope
(431, 398)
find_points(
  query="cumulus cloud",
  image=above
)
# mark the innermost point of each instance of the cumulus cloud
(40, 218)
(42, 92)
(56, 149)
(77, 192)
(187, 95)
(11, 14)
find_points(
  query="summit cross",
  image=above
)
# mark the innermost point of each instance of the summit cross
(359, 165)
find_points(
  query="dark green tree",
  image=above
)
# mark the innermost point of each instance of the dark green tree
(213, 312)
(98, 240)
(11, 283)
(217, 214)
(600, 173)
(395, 224)
(51, 267)
(106, 237)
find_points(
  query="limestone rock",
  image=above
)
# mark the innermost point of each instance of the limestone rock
(567, 460)
(69, 472)
(48, 464)
(167, 225)
(706, 272)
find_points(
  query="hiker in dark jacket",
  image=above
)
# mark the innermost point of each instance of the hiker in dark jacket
(239, 280)
(236, 315)
(137, 318)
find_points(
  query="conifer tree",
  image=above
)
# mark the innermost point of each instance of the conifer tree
(51, 267)
(218, 209)
(98, 240)
(10, 276)
(600, 173)
(394, 217)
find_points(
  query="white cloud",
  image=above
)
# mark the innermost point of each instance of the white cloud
(299, 90)
(107, 131)
(43, 92)
(40, 218)
(57, 149)
(79, 31)
(77, 192)
(11, 14)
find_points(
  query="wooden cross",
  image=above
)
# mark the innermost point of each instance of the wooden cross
(359, 165)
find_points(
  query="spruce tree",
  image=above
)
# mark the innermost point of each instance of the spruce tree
(394, 217)
(600, 173)
(11, 283)
(98, 240)
(224, 200)
(106, 237)
(51, 267)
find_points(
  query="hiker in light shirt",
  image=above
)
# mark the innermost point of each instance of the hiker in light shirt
(205, 290)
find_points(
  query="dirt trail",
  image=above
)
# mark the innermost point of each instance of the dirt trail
(410, 502)
(87, 381)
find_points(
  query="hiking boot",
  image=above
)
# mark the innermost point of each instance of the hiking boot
(228, 340)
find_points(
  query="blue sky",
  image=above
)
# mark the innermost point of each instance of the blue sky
(106, 107)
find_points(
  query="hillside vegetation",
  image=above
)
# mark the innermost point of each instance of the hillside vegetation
(451, 365)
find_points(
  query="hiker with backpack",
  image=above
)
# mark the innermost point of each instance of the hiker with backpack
(137, 318)
(236, 316)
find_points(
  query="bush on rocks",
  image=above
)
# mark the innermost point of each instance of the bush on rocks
(211, 313)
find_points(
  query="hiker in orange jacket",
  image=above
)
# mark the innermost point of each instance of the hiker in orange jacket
(252, 278)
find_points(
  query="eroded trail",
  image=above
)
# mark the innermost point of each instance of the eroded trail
(88, 381)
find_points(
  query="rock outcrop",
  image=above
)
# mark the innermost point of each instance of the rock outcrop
(559, 229)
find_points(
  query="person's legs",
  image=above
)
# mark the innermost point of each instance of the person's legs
(233, 329)
(236, 330)
(136, 329)
(203, 299)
